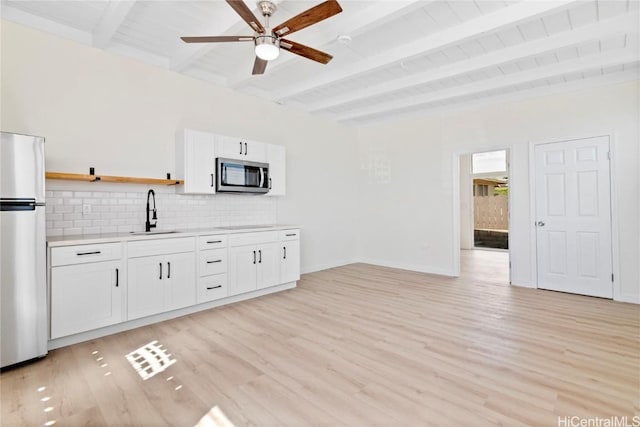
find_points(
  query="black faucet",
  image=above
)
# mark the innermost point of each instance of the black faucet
(147, 225)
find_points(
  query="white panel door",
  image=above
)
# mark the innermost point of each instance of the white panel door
(573, 217)
(200, 162)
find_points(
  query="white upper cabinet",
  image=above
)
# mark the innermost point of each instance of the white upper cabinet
(197, 152)
(276, 157)
(196, 161)
(241, 149)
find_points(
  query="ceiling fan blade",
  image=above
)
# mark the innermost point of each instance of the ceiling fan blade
(216, 39)
(259, 66)
(306, 51)
(245, 13)
(309, 17)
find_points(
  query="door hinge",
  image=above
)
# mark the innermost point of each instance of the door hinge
(612, 277)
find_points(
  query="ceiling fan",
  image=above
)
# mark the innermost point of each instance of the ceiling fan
(268, 41)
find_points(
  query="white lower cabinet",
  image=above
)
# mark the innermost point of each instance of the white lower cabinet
(212, 268)
(96, 285)
(159, 283)
(253, 262)
(290, 261)
(85, 297)
(87, 287)
(289, 255)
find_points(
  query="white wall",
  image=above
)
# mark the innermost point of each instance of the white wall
(466, 203)
(408, 220)
(120, 116)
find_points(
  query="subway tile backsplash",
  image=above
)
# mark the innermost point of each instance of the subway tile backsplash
(72, 209)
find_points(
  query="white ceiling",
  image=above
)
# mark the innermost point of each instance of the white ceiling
(405, 57)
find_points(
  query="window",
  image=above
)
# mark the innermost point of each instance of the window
(489, 162)
(481, 190)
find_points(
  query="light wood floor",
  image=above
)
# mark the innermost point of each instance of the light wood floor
(359, 346)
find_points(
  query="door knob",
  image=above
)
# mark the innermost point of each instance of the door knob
(540, 224)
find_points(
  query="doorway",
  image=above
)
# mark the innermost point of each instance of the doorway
(573, 216)
(484, 208)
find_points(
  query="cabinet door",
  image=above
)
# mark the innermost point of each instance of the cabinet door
(255, 151)
(196, 161)
(145, 286)
(180, 287)
(242, 269)
(290, 261)
(231, 148)
(200, 159)
(276, 156)
(268, 266)
(242, 149)
(86, 297)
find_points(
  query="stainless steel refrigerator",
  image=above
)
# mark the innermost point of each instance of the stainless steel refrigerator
(23, 277)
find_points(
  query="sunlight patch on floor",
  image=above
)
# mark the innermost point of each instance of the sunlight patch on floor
(214, 418)
(150, 359)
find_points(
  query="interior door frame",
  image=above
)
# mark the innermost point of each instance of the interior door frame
(455, 269)
(615, 237)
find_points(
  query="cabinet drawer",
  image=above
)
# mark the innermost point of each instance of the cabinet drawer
(160, 247)
(289, 235)
(215, 241)
(243, 239)
(212, 288)
(82, 254)
(213, 262)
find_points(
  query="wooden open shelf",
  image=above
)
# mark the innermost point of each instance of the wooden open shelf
(106, 178)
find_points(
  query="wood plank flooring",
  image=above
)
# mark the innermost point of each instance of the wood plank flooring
(360, 346)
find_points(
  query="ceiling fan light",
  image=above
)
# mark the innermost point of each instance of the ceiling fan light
(267, 47)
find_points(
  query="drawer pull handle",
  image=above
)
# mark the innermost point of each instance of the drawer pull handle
(214, 287)
(291, 235)
(213, 241)
(214, 261)
(88, 253)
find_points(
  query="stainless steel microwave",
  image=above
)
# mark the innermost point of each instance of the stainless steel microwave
(241, 176)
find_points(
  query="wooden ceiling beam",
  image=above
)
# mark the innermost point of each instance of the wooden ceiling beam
(621, 24)
(486, 24)
(588, 63)
(113, 16)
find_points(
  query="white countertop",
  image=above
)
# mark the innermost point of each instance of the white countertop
(84, 239)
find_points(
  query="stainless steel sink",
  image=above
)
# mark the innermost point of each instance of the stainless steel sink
(144, 233)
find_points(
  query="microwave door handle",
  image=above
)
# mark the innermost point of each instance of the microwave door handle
(261, 178)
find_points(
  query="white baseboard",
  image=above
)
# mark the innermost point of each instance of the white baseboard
(630, 298)
(411, 267)
(327, 266)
